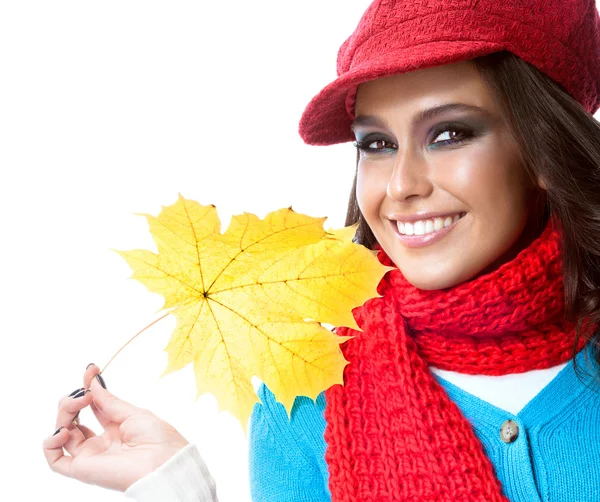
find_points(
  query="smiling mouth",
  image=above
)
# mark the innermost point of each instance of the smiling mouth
(427, 237)
(426, 227)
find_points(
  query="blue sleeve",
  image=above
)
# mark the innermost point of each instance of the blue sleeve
(282, 464)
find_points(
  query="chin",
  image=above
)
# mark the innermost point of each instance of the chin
(436, 279)
(430, 285)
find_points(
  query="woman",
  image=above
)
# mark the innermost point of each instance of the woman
(475, 375)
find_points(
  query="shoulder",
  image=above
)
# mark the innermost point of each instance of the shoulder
(288, 451)
(305, 413)
(302, 432)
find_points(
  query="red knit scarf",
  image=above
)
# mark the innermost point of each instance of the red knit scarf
(392, 432)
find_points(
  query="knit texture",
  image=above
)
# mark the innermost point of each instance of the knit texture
(393, 434)
(561, 38)
(556, 457)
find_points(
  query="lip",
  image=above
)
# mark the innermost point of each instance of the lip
(418, 241)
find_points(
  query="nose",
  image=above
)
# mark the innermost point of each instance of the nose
(410, 176)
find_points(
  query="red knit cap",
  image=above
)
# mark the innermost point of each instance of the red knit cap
(559, 37)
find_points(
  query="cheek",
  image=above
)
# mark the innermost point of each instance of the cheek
(499, 191)
(493, 184)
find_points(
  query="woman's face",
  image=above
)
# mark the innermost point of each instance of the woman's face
(458, 162)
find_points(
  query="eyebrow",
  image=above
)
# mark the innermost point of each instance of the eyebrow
(425, 114)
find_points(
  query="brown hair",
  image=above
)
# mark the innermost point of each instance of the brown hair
(559, 144)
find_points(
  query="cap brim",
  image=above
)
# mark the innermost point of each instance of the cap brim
(325, 120)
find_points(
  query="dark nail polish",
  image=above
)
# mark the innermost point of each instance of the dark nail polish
(57, 431)
(80, 394)
(88, 366)
(100, 380)
(75, 392)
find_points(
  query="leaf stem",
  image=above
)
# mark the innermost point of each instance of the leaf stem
(132, 338)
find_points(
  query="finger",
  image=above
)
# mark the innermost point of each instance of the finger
(90, 374)
(106, 423)
(70, 407)
(76, 391)
(54, 454)
(86, 431)
(77, 437)
(111, 406)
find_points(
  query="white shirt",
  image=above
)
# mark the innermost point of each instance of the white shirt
(508, 392)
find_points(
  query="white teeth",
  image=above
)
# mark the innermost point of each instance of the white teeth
(423, 227)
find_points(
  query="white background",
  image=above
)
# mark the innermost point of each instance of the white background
(113, 108)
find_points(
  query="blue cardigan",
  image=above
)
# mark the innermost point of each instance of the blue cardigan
(556, 456)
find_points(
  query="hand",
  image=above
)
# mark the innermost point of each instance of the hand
(134, 443)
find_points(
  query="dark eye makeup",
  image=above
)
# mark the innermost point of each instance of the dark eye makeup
(462, 134)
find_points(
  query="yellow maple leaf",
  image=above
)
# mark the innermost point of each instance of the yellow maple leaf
(251, 301)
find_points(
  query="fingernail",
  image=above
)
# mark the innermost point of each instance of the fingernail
(100, 380)
(88, 366)
(75, 392)
(80, 394)
(57, 431)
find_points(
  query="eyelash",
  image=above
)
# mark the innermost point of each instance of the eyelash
(468, 134)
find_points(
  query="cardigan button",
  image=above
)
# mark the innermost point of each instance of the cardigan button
(509, 431)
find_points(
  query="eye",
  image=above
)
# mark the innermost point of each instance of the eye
(455, 134)
(374, 145)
